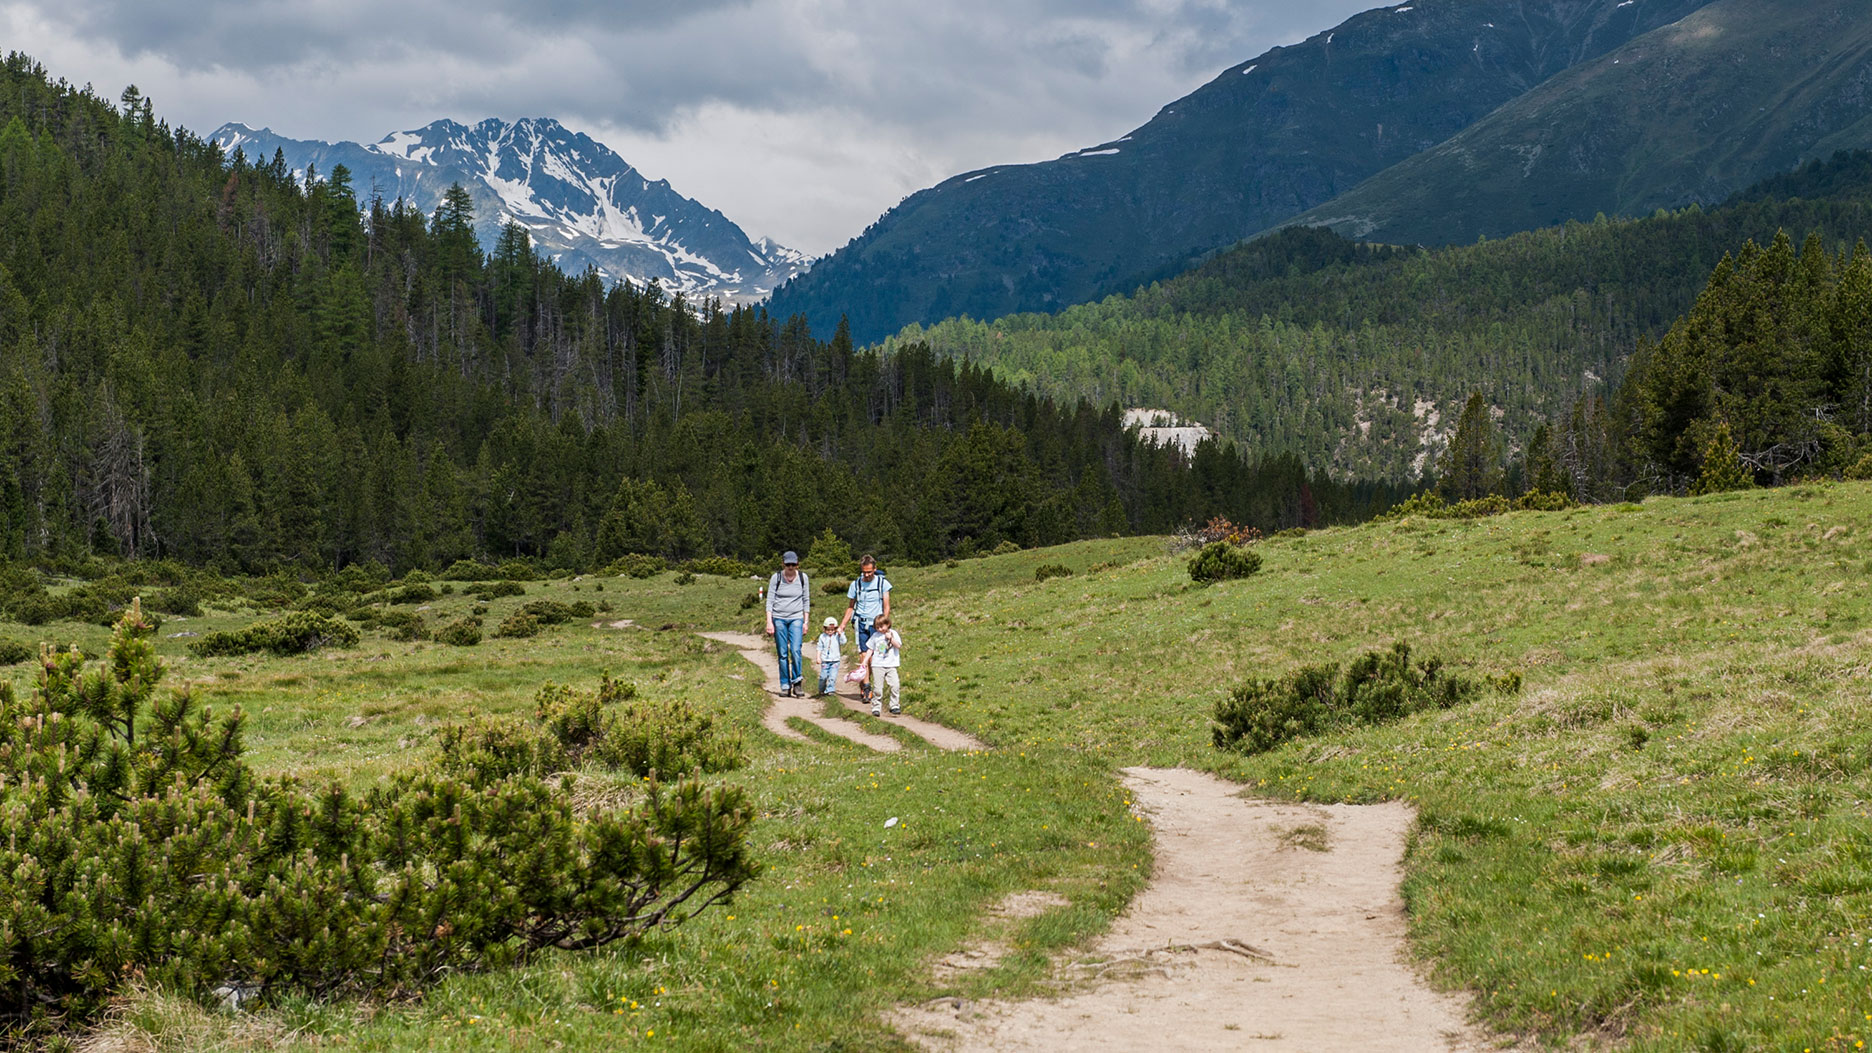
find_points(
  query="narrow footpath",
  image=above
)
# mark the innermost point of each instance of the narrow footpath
(760, 651)
(1265, 927)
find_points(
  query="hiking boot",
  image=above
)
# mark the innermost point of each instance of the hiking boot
(896, 709)
(877, 710)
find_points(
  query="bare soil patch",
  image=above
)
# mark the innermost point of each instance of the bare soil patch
(1249, 936)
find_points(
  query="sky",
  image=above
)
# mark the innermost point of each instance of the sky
(801, 120)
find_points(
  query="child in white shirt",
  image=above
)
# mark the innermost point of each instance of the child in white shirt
(885, 658)
(831, 641)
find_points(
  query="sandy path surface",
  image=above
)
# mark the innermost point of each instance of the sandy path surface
(760, 651)
(1246, 938)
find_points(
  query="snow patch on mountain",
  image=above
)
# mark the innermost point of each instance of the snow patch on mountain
(582, 204)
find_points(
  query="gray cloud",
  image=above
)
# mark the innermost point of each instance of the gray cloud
(802, 119)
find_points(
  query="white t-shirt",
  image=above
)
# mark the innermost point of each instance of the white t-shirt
(884, 650)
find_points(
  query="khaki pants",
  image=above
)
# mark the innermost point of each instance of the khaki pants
(886, 690)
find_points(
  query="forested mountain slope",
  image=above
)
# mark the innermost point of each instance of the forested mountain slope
(212, 361)
(1692, 112)
(1359, 357)
(1264, 140)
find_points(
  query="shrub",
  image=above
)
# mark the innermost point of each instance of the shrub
(1005, 548)
(516, 570)
(1052, 570)
(1430, 505)
(497, 589)
(12, 652)
(608, 728)
(465, 632)
(1861, 470)
(297, 633)
(721, 567)
(685, 578)
(638, 566)
(835, 587)
(411, 594)
(1261, 714)
(1378, 688)
(139, 847)
(468, 570)
(519, 626)
(181, 599)
(1221, 561)
(750, 601)
(552, 612)
(1219, 528)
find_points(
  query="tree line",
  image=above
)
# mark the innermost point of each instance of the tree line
(1360, 358)
(216, 359)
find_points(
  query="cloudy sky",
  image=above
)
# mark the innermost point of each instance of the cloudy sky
(802, 120)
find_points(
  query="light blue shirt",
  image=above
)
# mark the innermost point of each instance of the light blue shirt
(868, 596)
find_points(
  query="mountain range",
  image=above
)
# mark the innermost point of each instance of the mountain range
(582, 204)
(1265, 140)
(1691, 112)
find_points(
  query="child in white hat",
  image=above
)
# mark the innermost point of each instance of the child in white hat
(831, 641)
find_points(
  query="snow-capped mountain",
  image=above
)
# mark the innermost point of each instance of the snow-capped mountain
(582, 203)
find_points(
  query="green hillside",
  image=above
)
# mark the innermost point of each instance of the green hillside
(1666, 825)
(1360, 357)
(1692, 112)
(1265, 139)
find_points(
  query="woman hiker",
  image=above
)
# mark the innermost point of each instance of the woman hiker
(789, 604)
(870, 600)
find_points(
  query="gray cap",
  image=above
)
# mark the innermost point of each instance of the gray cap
(789, 556)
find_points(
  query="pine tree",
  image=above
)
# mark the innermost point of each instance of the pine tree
(1723, 469)
(1472, 466)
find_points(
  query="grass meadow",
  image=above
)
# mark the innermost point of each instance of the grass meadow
(1663, 842)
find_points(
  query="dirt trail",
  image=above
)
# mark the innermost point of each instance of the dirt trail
(1248, 937)
(760, 651)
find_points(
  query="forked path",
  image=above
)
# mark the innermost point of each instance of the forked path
(760, 651)
(1266, 927)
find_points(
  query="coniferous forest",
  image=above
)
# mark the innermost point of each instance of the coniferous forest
(215, 359)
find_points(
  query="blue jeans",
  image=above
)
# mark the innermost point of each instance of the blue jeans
(828, 677)
(787, 634)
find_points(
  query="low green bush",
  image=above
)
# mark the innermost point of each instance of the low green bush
(12, 652)
(552, 612)
(519, 626)
(517, 570)
(1005, 548)
(685, 578)
(139, 848)
(468, 570)
(494, 590)
(1378, 688)
(465, 632)
(181, 599)
(637, 565)
(607, 728)
(1052, 570)
(1430, 505)
(835, 587)
(296, 633)
(412, 594)
(1221, 561)
(721, 567)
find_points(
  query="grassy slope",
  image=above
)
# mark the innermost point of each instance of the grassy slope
(1694, 111)
(1664, 838)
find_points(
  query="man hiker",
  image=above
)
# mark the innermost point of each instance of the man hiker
(870, 600)
(789, 604)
